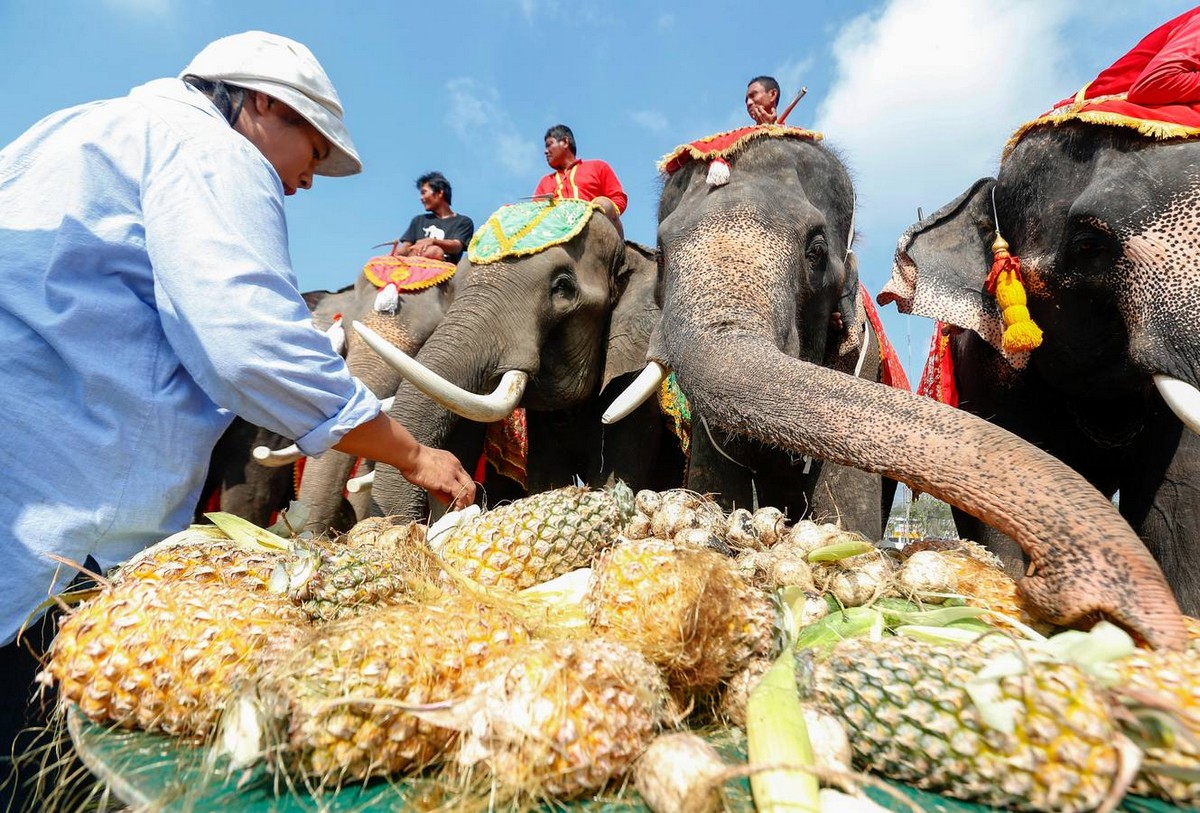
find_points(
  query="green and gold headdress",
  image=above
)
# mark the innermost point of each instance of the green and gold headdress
(528, 227)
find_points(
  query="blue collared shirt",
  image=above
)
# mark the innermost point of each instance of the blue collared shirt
(146, 296)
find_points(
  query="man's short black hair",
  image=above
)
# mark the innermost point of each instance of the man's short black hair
(437, 183)
(768, 83)
(561, 132)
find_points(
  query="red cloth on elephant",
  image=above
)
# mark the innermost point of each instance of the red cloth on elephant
(1154, 88)
(937, 379)
(1162, 69)
(584, 180)
(506, 446)
(892, 369)
(723, 145)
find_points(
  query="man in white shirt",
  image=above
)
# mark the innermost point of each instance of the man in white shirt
(150, 297)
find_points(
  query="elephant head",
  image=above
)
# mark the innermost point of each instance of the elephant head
(739, 258)
(1104, 221)
(550, 329)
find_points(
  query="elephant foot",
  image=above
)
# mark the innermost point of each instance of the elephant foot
(1070, 587)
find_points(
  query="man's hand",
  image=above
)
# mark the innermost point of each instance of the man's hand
(434, 470)
(440, 473)
(762, 115)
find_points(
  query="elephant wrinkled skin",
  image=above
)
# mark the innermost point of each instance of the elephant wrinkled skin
(1105, 223)
(734, 258)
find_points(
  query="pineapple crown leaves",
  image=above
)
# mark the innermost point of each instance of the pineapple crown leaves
(1091, 652)
(623, 496)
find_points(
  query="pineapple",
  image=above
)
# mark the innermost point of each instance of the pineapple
(336, 710)
(1041, 740)
(1168, 685)
(330, 580)
(561, 719)
(538, 538)
(164, 656)
(686, 608)
(202, 558)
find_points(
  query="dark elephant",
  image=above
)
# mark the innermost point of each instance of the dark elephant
(738, 260)
(569, 325)
(1105, 223)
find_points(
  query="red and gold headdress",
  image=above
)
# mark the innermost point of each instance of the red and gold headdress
(394, 275)
(718, 149)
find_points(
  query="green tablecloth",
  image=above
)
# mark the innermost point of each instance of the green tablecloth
(165, 775)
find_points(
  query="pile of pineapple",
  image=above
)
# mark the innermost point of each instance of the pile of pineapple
(535, 652)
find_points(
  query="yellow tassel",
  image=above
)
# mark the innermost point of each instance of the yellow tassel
(1021, 333)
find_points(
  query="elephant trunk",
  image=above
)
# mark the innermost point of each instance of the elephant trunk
(1086, 559)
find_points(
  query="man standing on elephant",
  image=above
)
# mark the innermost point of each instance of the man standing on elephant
(440, 233)
(590, 179)
(150, 301)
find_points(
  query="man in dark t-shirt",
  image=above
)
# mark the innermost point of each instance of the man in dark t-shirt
(439, 234)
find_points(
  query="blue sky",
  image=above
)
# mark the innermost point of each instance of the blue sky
(918, 96)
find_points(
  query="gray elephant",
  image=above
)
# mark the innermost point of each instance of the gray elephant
(555, 320)
(240, 484)
(1103, 219)
(408, 326)
(739, 258)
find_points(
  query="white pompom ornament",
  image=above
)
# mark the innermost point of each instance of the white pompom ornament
(337, 335)
(387, 299)
(718, 172)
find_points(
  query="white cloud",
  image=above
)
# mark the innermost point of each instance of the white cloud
(477, 117)
(666, 20)
(140, 7)
(926, 93)
(652, 120)
(791, 77)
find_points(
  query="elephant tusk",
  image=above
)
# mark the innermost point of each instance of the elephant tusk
(361, 483)
(495, 406)
(644, 386)
(1182, 398)
(274, 458)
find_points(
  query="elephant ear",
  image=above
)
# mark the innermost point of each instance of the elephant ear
(635, 314)
(941, 264)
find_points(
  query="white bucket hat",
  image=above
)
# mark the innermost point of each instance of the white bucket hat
(284, 70)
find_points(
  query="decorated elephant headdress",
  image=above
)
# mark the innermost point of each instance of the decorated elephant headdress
(519, 229)
(718, 150)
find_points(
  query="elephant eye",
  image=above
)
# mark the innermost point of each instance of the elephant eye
(1088, 249)
(817, 251)
(563, 285)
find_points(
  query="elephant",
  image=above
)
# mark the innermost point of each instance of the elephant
(1103, 219)
(741, 251)
(570, 324)
(256, 491)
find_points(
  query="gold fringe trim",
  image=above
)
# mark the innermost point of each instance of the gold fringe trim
(1159, 130)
